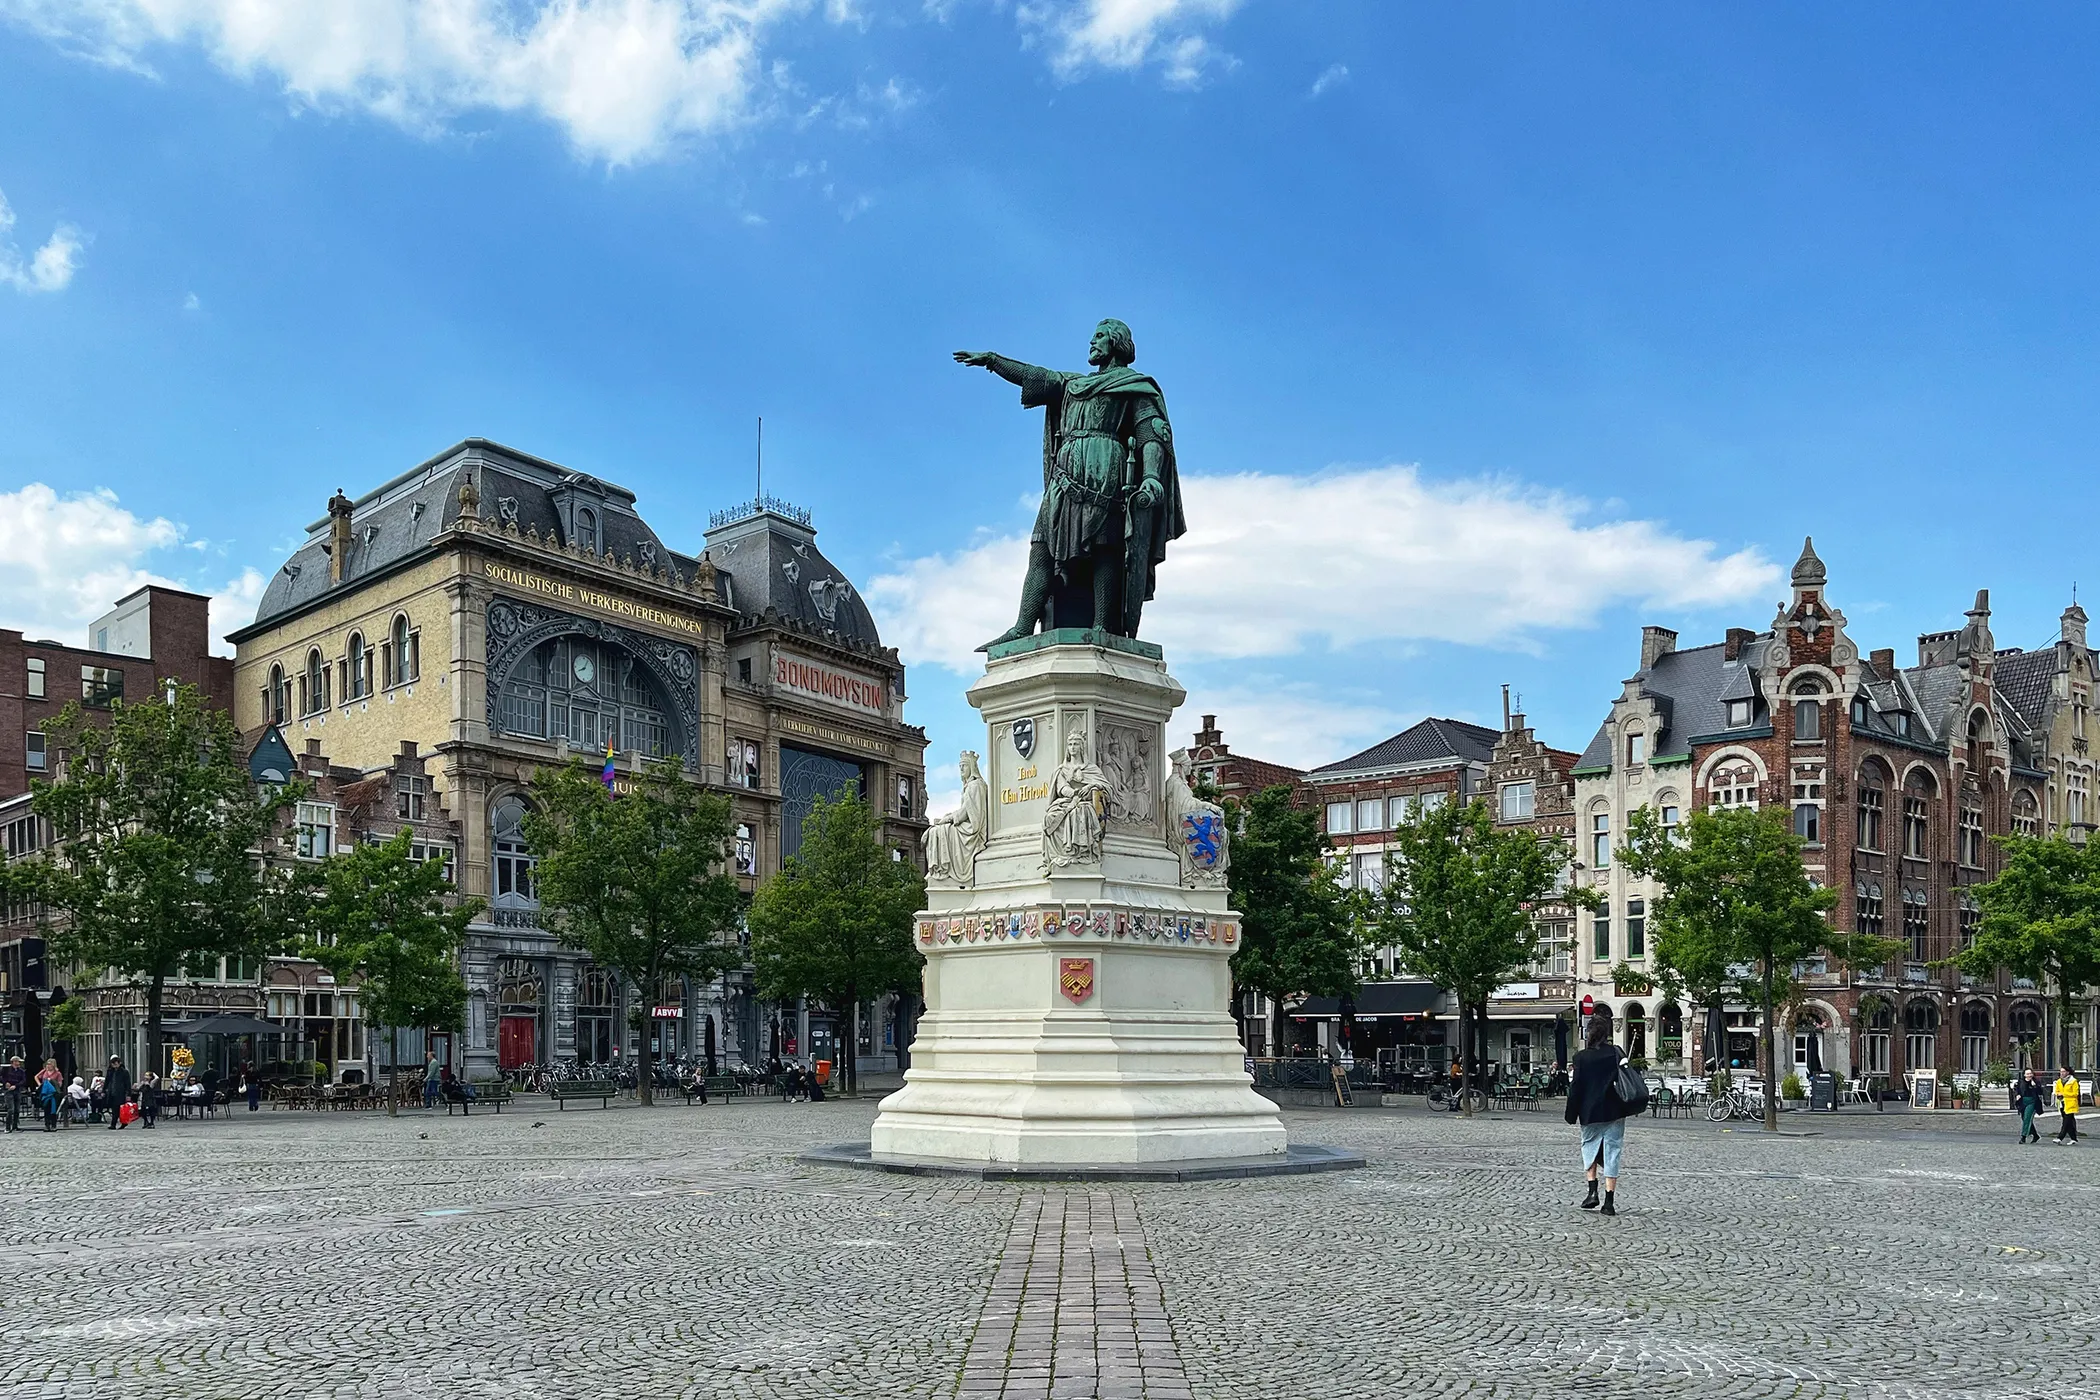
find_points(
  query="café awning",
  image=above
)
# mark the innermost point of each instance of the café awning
(1373, 1001)
(226, 1023)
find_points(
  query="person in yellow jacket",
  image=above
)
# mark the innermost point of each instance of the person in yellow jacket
(2067, 1097)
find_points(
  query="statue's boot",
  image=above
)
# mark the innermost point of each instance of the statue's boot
(1011, 634)
(1034, 589)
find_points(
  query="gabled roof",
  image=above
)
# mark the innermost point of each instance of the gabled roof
(2024, 679)
(1426, 742)
(1691, 690)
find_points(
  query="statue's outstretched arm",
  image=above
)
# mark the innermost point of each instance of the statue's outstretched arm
(1012, 371)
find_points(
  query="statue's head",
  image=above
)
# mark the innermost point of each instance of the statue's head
(1075, 745)
(1112, 345)
(969, 764)
(1179, 762)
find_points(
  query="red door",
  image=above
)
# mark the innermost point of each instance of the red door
(517, 1041)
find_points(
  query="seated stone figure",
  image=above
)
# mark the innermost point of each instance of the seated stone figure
(1196, 829)
(1078, 809)
(953, 842)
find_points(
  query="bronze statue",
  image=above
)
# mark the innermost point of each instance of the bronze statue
(1111, 492)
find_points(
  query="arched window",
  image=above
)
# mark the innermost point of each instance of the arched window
(1732, 784)
(404, 662)
(597, 1014)
(357, 668)
(1921, 1028)
(1868, 914)
(514, 888)
(1876, 1027)
(587, 531)
(590, 693)
(1636, 1022)
(1917, 800)
(274, 700)
(2026, 817)
(1975, 1036)
(1873, 805)
(1808, 711)
(1600, 839)
(313, 686)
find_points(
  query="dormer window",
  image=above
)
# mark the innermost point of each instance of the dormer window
(1738, 713)
(587, 531)
(1636, 749)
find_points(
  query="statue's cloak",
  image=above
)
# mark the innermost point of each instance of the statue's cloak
(1146, 421)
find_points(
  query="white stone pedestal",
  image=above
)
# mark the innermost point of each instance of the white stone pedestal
(1078, 1015)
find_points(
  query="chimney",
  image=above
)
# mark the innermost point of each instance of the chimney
(313, 748)
(1738, 638)
(1656, 643)
(1883, 660)
(338, 536)
(408, 748)
(1209, 736)
(1505, 709)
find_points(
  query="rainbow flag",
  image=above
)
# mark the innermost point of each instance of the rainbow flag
(607, 776)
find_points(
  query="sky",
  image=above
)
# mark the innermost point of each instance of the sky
(1490, 332)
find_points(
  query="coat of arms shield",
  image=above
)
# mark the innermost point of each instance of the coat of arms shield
(1075, 978)
(1024, 736)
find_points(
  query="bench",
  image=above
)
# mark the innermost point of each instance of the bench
(600, 1089)
(719, 1086)
(494, 1093)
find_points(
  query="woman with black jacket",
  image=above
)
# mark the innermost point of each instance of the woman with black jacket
(1594, 1102)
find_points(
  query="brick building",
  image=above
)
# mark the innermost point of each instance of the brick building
(1235, 775)
(1895, 777)
(1530, 786)
(151, 635)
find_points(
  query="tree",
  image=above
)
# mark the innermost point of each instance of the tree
(1739, 910)
(2041, 919)
(392, 922)
(1299, 934)
(835, 922)
(158, 865)
(637, 881)
(1457, 903)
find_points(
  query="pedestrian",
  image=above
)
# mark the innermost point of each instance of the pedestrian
(2067, 1090)
(50, 1094)
(2027, 1097)
(81, 1100)
(14, 1084)
(116, 1090)
(1593, 1101)
(149, 1097)
(430, 1080)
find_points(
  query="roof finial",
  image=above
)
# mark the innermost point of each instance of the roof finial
(1808, 569)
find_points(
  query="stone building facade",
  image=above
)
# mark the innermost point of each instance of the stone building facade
(1530, 787)
(1896, 778)
(489, 613)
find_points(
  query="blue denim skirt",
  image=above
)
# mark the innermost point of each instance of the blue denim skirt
(1601, 1144)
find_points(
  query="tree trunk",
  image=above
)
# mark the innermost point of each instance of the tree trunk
(1467, 1059)
(2063, 1023)
(1771, 1057)
(154, 991)
(853, 1049)
(1276, 1028)
(393, 1071)
(645, 1054)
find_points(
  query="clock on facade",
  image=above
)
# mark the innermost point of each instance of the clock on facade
(585, 669)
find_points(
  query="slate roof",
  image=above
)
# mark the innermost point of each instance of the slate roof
(765, 561)
(1691, 689)
(1425, 742)
(2024, 679)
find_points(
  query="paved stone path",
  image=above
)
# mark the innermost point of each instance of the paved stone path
(682, 1252)
(1075, 1309)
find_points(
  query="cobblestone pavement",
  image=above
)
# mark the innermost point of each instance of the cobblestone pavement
(681, 1252)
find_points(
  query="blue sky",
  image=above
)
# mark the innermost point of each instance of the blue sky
(1489, 332)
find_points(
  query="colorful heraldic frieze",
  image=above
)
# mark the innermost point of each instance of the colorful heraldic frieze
(1082, 921)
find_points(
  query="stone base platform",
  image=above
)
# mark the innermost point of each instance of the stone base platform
(1301, 1159)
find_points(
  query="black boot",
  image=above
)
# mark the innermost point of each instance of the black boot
(1589, 1202)
(1609, 1209)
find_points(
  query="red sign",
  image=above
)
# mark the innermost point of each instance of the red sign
(1076, 978)
(1589, 1004)
(841, 687)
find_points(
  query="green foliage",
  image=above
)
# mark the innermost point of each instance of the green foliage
(1298, 929)
(67, 1021)
(1997, 1070)
(2041, 919)
(1458, 903)
(1738, 911)
(638, 882)
(157, 831)
(389, 920)
(1791, 1087)
(835, 922)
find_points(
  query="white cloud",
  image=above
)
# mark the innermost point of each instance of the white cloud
(1129, 34)
(192, 303)
(64, 560)
(623, 79)
(50, 268)
(1335, 75)
(1293, 723)
(1273, 565)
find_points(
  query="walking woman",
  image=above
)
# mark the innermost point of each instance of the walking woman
(1593, 1103)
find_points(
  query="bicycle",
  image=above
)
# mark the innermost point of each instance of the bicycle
(1738, 1102)
(1469, 1101)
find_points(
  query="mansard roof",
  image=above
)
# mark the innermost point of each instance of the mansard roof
(1691, 690)
(778, 573)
